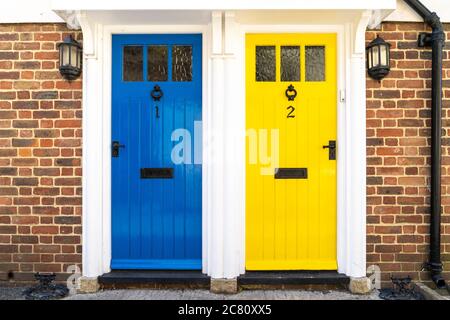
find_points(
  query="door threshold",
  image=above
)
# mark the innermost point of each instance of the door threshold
(157, 279)
(252, 279)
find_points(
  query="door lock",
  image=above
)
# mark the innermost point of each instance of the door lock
(115, 148)
(331, 149)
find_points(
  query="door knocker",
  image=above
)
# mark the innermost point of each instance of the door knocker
(156, 93)
(291, 93)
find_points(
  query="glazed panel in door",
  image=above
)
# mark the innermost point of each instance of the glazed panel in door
(291, 198)
(156, 191)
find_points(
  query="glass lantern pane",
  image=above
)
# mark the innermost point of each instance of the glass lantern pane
(73, 56)
(65, 55)
(79, 57)
(290, 63)
(157, 69)
(383, 55)
(265, 63)
(315, 63)
(388, 55)
(375, 56)
(132, 63)
(182, 63)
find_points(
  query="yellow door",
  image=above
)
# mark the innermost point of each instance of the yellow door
(290, 166)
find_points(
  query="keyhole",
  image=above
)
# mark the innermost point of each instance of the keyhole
(157, 111)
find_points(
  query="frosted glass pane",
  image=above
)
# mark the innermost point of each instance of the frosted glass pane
(132, 63)
(265, 63)
(182, 63)
(315, 63)
(290, 63)
(157, 63)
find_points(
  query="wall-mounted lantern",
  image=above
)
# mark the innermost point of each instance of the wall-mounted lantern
(378, 64)
(70, 57)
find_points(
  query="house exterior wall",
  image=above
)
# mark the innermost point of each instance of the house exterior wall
(398, 156)
(40, 154)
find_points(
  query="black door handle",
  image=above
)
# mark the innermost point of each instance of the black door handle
(115, 148)
(331, 149)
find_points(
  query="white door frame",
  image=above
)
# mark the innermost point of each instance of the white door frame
(339, 30)
(97, 134)
(108, 31)
(351, 170)
(223, 203)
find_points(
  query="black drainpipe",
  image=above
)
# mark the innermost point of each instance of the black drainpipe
(436, 40)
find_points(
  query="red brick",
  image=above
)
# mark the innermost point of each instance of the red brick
(45, 230)
(388, 229)
(7, 55)
(6, 65)
(26, 258)
(5, 229)
(47, 37)
(66, 239)
(387, 94)
(9, 75)
(410, 84)
(26, 46)
(389, 132)
(46, 55)
(67, 123)
(31, 85)
(46, 249)
(389, 151)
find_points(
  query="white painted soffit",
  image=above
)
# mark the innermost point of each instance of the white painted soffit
(44, 10)
(28, 11)
(203, 17)
(222, 5)
(404, 13)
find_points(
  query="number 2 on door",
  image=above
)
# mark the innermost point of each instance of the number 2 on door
(291, 110)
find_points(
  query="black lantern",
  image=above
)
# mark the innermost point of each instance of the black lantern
(378, 65)
(70, 57)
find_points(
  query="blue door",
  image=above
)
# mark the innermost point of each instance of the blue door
(155, 152)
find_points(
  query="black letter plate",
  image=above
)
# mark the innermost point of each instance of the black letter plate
(156, 173)
(291, 173)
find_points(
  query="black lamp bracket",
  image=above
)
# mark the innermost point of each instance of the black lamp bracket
(426, 38)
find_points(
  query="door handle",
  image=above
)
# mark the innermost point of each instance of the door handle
(115, 148)
(331, 149)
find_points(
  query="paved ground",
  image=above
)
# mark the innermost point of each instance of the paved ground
(11, 293)
(206, 295)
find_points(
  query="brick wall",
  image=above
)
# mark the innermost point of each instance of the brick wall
(398, 157)
(40, 154)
